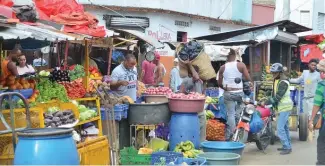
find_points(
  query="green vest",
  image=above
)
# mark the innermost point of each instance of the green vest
(285, 104)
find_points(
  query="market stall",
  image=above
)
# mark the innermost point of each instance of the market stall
(58, 97)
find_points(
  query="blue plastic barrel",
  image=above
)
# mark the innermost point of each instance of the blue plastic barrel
(46, 146)
(184, 127)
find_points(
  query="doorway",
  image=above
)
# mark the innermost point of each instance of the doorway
(181, 36)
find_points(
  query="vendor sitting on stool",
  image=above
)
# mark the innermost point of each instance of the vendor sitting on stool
(193, 83)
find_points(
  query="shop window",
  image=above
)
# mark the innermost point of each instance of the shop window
(304, 18)
(320, 21)
(182, 23)
(181, 36)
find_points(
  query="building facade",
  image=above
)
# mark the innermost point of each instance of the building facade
(309, 13)
(172, 21)
(263, 12)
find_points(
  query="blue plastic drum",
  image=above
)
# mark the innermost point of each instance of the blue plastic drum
(184, 127)
(46, 146)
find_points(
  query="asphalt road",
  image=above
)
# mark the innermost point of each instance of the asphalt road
(304, 153)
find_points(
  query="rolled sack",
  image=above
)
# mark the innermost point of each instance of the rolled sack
(203, 62)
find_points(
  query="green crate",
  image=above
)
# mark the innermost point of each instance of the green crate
(130, 156)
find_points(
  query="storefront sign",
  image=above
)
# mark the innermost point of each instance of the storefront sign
(160, 35)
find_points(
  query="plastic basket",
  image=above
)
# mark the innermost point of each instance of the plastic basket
(130, 156)
(163, 158)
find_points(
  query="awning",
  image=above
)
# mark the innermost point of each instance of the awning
(150, 40)
(237, 43)
(286, 25)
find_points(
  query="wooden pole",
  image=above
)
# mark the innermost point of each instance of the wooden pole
(86, 66)
(109, 56)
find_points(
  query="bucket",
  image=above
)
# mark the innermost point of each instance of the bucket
(46, 146)
(221, 158)
(223, 146)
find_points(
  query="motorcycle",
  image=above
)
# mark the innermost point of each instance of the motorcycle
(262, 138)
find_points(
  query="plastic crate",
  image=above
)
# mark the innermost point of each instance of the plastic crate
(119, 113)
(212, 92)
(130, 156)
(163, 158)
(94, 152)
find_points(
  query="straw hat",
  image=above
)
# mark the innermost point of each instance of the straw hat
(321, 65)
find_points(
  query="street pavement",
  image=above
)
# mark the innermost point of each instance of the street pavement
(304, 153)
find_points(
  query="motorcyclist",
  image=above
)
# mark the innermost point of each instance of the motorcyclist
(283, 105)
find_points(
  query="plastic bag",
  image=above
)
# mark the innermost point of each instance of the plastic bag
(256, 124)
(215, 130)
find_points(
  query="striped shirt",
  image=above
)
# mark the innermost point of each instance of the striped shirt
(319, 94)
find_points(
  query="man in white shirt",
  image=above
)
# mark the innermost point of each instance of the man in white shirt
(175, 79)
(233, 92)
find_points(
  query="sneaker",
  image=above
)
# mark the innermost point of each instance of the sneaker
(280, 149)
(285, 151)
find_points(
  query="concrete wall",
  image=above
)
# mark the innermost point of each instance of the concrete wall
(162, 26)
(262, 14)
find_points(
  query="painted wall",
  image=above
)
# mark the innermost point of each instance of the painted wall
(162, 26)
(262, 14)
(208, 8)
(242, 10)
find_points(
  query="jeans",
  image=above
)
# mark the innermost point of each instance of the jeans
(232, 101)
(321, 147)
(283, 129)
(203, 126)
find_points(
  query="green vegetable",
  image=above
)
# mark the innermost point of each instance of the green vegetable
(77, 72)
(51, 90)
(53, 109)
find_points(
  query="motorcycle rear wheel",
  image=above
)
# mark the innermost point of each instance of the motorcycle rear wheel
(266, 138)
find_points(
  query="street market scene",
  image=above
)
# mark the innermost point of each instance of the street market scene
(222, 82)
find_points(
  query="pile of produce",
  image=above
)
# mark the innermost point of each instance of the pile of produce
(141, 88)
(209, 114)
(14, 83)
(74, 89)
(190, 96)
(215, 130)
(49, 90)
(158, 91)
(44, 73)
(18, 104)
(94, 72)
(188, 149)
(84, 112)
(55, 118)
(59, 75)
(76, 71)
(91, 103)
(211, 100)
(265, 88)
(190, 50)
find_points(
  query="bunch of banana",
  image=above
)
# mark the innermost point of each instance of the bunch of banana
(188, 149)
(209, 114)
(211, 100)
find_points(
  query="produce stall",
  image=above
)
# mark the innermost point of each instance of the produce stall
(56, 99)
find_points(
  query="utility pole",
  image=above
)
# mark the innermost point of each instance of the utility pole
(286, 10)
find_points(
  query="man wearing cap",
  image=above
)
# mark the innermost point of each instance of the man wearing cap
(175, 79)
(159, 71)
(147, 76)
